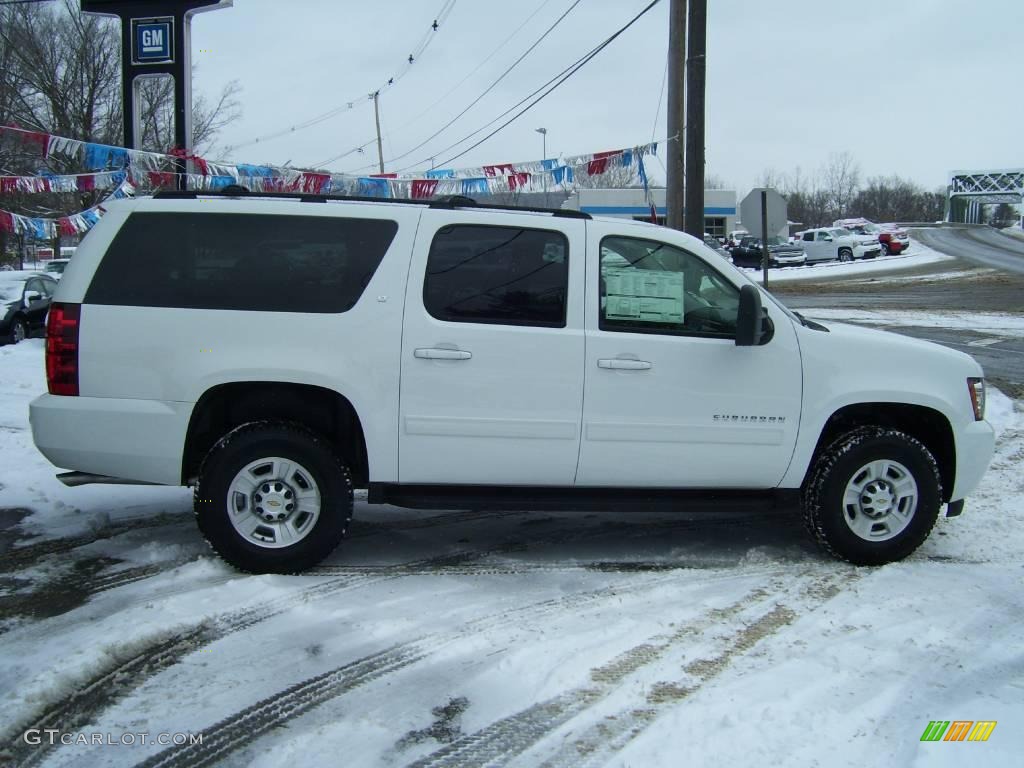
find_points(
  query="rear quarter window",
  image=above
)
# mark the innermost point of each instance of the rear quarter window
(251, 262)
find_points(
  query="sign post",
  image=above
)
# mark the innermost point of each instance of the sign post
(156, 42)
(768, 207)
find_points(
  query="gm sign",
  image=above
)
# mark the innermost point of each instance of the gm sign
(153, 41)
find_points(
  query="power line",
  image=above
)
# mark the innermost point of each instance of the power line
(491, 87)
(452, 90)
(416, 52)
(558, 80)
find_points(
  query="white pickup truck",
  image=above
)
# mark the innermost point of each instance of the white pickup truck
(277, 351)
(829, 244)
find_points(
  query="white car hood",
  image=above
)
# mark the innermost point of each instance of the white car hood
(872, 347)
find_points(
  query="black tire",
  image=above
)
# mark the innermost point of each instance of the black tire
(19, 330)
(824, 489)
(845, 254)
(885, 249)
(252, 442)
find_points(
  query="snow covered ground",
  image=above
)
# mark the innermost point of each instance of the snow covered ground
(917, 255)
(468, 638)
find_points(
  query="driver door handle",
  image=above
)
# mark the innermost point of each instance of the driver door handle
(621, 364)
(436, 353)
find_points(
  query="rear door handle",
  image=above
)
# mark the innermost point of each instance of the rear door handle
(621, 364)
(435, 353)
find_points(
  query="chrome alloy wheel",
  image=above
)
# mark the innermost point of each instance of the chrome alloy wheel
(880, 500)
(18, 333)
(273, 502)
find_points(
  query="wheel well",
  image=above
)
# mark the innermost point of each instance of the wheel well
(926, 424)
(321, 410)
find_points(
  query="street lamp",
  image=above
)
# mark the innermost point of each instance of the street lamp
(544, 156)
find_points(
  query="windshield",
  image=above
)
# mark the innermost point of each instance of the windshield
(10, 290)
(775, 241)
(56, 266)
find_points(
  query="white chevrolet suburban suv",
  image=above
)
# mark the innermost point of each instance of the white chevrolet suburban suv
(276, 352)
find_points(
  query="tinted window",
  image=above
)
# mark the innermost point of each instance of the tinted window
(652, 287)
(241, 261)
(503, 275)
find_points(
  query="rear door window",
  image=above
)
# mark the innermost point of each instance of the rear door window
(252, 262)
(497, 275)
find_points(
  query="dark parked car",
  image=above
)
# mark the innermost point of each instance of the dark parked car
(712, 242)
(24, 301)
(780, 253)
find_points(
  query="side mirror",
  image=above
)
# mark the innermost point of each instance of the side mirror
(31, 296)
(749, 324)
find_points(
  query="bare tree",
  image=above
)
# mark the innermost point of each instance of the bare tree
(61, 74)
(156, 114)
(841, 178)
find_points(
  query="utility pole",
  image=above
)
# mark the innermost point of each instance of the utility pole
(376, 117)
(676, 112)
(696, 45)
(544, 156)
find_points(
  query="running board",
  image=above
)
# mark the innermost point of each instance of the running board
(74, 479)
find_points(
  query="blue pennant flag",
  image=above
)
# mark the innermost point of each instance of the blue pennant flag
(440, 173)
(38, 229)
(474, 186)
(219, 182)
(99, 157)
(373, 187)
(549, 165)
(255, 170)
(562, 174)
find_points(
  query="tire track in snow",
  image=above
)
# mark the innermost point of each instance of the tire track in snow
(506, 739)
(116, 680)
(242, 728)
(31, 554)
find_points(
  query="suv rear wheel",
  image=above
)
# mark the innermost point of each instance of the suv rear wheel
(872, 496)
(273, 497)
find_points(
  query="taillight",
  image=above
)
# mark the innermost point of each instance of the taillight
(62, 348)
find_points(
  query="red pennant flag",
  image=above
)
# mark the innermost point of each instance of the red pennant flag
(518, 180)
(600, 162)
(422, 188)
(161, 179)
(86, 182)
(312, 183)
(40, 141)
(6, 222)
(8, 183)
(65, 227)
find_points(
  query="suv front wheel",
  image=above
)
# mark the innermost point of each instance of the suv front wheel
(872, 496)
(273, 497)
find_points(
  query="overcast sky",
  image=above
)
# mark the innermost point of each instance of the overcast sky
(909, 87)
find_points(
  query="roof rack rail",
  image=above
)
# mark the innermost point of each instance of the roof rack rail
(452, 202)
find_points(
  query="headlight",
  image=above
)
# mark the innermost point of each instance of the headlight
(976, 387)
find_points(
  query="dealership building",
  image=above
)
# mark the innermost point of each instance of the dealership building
(719, 206)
